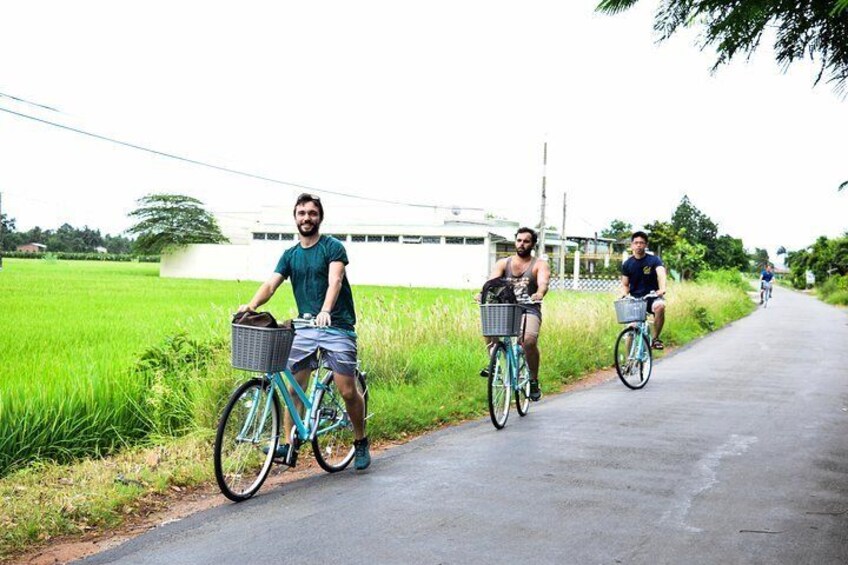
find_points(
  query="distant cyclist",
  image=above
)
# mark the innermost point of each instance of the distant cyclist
(316, 267)
(529, 278)
(642, 274)
(766, 277)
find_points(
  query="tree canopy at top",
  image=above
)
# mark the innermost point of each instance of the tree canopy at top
(814, 28)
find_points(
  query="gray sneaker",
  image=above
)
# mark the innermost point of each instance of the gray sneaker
(361, 454)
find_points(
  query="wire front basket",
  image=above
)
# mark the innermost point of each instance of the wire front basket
(500, 320)
(628, 310)
(261, 350)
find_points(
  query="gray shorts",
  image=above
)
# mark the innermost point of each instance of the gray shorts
(338, 350)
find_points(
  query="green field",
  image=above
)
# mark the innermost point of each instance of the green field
(100, 355)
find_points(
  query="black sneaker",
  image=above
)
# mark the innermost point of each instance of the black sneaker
(484, 373)
(280, 454)
(535, 393)
(361, 454)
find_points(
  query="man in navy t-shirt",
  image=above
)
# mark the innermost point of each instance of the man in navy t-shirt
(766, 276)
(642, 274)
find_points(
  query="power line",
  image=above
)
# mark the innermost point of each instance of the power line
(16, 99)
(234, 171)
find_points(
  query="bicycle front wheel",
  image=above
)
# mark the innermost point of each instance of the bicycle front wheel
(522, 392)
(633, 360)
(499, 386)
(333, 440)
(246, 439)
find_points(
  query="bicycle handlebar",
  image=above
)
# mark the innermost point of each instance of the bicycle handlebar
(652, 294)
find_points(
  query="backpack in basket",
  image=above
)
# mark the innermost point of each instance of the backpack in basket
(497, 291)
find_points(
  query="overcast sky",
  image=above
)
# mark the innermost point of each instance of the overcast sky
(435, 102)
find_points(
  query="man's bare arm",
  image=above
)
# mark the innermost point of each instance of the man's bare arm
(497, 272)
(543, 280)
(661, 280)
(334, 287)
(264, 293)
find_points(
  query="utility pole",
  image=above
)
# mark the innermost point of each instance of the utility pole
(541, 245)
(562, 240)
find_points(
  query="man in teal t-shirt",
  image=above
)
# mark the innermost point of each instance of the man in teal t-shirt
(316, 267)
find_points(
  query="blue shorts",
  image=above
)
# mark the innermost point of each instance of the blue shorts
(338, 350)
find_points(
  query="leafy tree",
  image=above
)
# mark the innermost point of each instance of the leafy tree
(760, 258)
(699, 228)
(7, 231)
(729, 254)
(7, 224)
(814, 28)
(686, 258)
(117, 244)
(168, 221)
(618, 229)
(662, 236)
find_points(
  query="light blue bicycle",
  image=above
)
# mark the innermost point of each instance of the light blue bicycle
(633, 355)
(249, 429)
(508, 373)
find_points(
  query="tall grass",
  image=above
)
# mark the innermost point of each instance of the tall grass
(834, 290)
(96, 356)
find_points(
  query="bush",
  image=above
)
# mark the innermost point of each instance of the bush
(835, 290)
(724, 277)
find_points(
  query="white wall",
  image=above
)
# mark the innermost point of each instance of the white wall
(418, 265)
(382, 264)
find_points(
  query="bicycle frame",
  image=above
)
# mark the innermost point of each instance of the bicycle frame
(511, 344)
(637, 348)
(305, 432)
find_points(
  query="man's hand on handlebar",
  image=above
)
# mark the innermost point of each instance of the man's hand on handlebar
(322, 320)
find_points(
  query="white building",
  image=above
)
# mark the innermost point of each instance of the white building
(457, 252)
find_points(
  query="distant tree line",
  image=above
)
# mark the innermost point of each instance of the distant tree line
(65, 239)
(688, 243)
(163, 222)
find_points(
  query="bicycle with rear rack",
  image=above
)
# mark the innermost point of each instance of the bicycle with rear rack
(633, 355)
(249, 429)
(508, 373)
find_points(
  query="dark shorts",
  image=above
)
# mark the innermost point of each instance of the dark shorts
(652, 301)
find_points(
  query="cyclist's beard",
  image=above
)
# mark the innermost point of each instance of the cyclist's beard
(523, 252)
(307, 229)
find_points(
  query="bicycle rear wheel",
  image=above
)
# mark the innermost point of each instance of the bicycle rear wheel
(499, 386)
(246, 439)
(632, 362)
(333, 440)
(522, 392)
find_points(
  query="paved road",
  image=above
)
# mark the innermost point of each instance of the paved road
(735, 452)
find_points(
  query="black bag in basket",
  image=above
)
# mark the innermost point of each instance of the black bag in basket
(255, 319)
(498, 291)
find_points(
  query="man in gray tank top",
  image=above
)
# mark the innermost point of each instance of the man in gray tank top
(529, 278)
